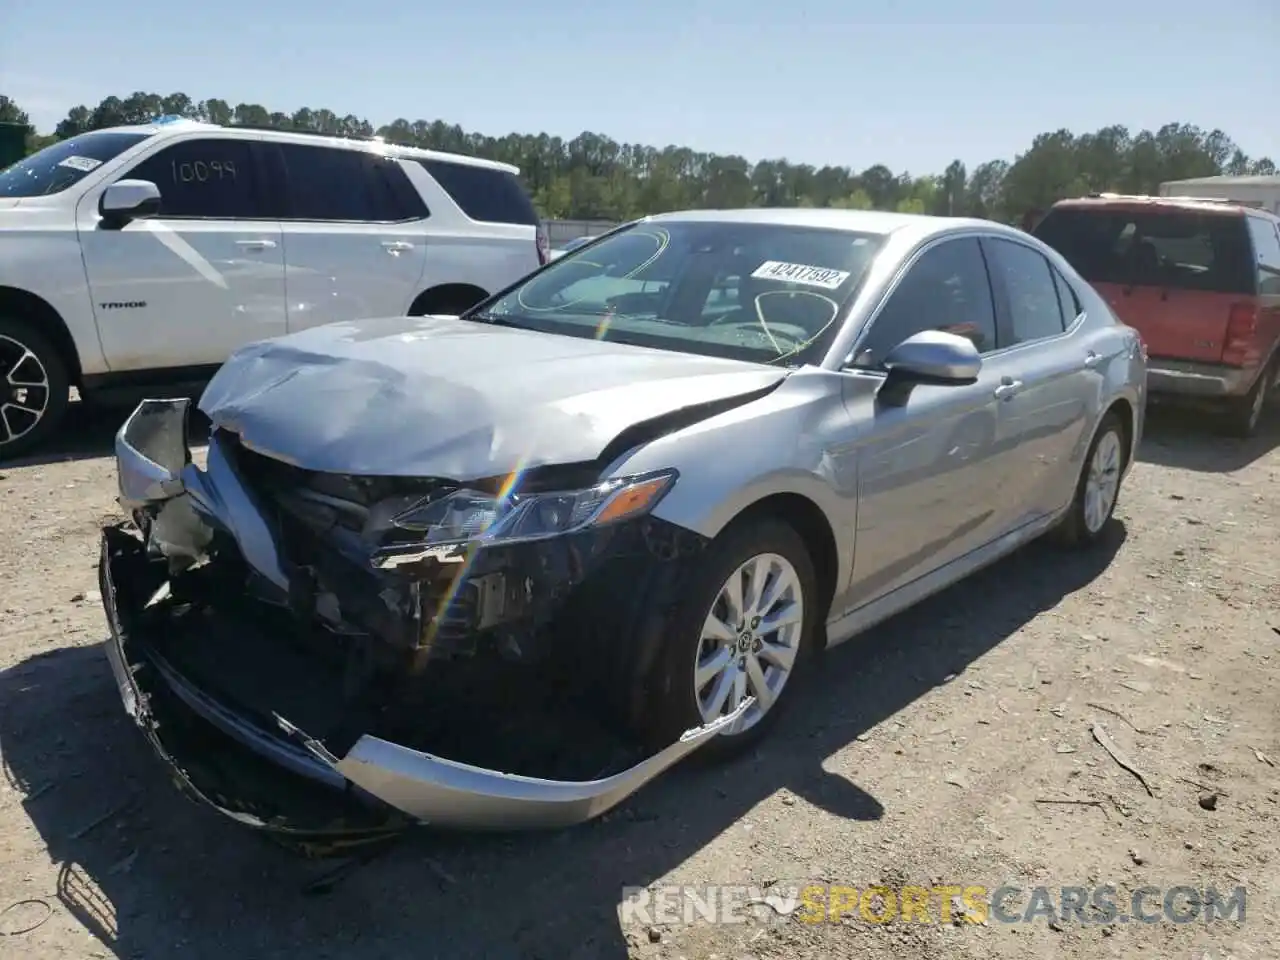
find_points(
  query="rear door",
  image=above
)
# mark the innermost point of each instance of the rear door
(353, 242)
(1171, 272)
(1051, 376)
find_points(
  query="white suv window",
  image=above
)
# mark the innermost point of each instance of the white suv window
(204, 179)
(484, 194)
(353, 186)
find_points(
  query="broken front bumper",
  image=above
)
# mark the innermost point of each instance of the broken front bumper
(215, 749)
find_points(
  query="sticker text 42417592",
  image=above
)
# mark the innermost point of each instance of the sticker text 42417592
(823, 277)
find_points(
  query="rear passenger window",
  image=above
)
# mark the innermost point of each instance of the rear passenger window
(1035, 311)
(333, 184)
(206, 179)
(484, 193)
(1266, 248)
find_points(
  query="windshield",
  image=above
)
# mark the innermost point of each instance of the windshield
(767, 293)
(1169, 248)
(59, 165)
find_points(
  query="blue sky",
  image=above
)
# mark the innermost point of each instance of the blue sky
(819, 81)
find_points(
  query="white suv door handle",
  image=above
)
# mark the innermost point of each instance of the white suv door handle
(256, 244)
(396, 246)
(1008, 387)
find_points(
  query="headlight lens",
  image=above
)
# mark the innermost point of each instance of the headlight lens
(470, 516)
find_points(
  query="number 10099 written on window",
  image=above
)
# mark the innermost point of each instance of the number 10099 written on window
(203, 171)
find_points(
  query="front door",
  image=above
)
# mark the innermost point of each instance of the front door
(926, 466)
(353, 243)
(205, 276)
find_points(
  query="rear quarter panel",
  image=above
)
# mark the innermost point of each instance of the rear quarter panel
(490, 256)
(1123, 370)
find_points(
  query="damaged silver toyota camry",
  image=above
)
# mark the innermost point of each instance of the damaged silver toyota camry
(501, 570)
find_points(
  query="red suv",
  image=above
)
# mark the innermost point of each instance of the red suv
(1200, 282)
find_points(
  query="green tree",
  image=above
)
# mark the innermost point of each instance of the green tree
(593, 176)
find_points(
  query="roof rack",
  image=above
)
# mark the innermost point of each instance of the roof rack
(1147, 196)
(372, 138)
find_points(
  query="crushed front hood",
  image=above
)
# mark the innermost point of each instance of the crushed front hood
(433, 396)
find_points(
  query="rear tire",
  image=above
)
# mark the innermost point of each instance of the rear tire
(34, 389)
(1098, 489)
(1244, 416)
(703, 630)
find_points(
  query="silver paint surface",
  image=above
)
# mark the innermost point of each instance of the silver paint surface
(434, 396)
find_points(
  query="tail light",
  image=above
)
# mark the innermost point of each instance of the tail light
(544, 246)
(1239, 346)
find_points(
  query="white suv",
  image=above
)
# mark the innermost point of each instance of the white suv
(140, 256)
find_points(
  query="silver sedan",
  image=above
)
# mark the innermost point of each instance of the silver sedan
(657, 476)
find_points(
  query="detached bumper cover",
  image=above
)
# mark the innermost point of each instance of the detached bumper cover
(394, 784)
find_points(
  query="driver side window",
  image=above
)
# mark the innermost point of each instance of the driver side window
(946, 289)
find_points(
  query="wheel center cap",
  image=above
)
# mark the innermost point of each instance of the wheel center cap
(744, 641)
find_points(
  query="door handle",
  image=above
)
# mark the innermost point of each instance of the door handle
(396, 246)
(1008, 387)
(256, 244)
(1092, 359)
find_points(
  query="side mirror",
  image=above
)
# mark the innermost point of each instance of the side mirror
(933, 356)
(127, 200)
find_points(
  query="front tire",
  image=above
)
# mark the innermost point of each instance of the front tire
(34, 389)
(1098, 488)
(745, 626)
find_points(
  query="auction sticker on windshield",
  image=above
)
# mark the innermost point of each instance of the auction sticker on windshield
(823, 277)
(83, 164)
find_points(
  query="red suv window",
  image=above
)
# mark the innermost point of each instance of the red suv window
(1171, 247)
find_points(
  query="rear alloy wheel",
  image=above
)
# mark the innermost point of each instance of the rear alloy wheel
(1098, 489)
(743, 628)
(1243, 418)
(33, 389)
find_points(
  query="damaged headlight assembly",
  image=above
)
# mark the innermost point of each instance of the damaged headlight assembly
(446, 527)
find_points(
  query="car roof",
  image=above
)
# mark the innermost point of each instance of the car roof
(1116, 201)
(859, 221)
(166, 125)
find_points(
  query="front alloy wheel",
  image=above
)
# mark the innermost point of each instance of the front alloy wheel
(750, 639)
(741, 624)
(33, 389)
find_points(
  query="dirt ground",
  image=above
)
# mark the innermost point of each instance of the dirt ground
(921, 755)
